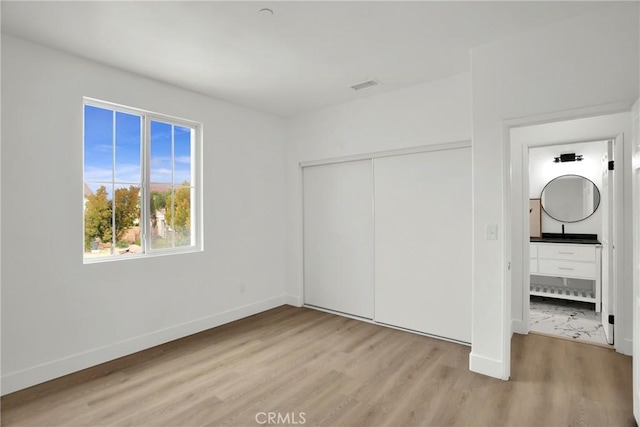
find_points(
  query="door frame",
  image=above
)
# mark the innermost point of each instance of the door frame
(523, 326)
(613, 199)
(508, 178)
(635, 186)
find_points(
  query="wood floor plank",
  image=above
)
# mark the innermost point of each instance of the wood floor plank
(337, 372)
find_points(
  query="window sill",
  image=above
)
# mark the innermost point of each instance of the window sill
(130, 256)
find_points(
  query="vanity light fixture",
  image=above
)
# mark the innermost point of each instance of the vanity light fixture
(568, 157)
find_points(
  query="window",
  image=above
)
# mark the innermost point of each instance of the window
(141, 183)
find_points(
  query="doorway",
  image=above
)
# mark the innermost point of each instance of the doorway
(571, 222)
(522, 137)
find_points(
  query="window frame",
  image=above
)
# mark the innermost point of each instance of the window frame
(196, 202)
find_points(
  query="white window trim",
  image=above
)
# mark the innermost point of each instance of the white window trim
(197, 232)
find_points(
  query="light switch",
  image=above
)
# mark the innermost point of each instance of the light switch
(492, 232)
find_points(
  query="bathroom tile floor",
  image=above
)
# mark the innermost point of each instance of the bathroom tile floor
(569, 319)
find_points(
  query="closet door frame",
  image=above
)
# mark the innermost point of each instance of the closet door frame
(369, 156)
(389, 153)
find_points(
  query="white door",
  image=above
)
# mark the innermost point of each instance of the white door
(636, 257)
(423, 242)
(608, 266)
(338, 237)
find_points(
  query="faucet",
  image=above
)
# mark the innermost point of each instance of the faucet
(563, 229)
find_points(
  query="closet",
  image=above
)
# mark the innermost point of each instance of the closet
(338, 237)
(388, 238)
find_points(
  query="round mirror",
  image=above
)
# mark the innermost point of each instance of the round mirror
(570, 198)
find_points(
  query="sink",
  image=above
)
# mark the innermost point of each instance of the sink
(570, 238)
(568, 241)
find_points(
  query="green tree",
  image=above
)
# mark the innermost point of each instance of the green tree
(127, 209)
(97, 217)
(157, 202)
(159, 199)
(180, 218)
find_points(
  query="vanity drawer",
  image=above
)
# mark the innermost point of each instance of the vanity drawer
(567, 252)
(533, 251)
(533, 266)
(560, 268)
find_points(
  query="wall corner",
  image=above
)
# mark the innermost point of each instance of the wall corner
(487, 366)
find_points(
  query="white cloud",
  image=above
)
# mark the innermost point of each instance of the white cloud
(92, 173)
(101, 148)
(183, 159)
(124, 173)
(159, 161)
(161, 175)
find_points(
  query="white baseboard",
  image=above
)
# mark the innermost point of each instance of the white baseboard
(625, 347)
(486, 366)
(294, 300)
(519, 327)
(19, 380)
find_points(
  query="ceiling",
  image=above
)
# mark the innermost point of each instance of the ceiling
(303, 57)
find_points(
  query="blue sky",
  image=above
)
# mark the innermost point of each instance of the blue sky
(99, 148)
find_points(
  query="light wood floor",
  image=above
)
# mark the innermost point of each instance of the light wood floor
(337, 371)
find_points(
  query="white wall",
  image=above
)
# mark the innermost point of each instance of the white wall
(545, 140)
(431, 113)
(59, 315)
(588, 61)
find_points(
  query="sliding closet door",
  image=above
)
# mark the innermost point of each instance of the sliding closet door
(338, 237)
(423, 242)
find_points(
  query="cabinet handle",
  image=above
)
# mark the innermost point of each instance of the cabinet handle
(565, 268)
(566, 253)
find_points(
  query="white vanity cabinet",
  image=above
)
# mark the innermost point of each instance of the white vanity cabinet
(567, 261)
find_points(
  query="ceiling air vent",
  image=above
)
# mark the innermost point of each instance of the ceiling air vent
(364, 85)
